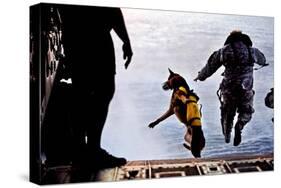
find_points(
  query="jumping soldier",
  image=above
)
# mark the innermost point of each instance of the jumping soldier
(236, 89)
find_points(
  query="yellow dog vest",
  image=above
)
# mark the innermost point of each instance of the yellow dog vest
(193, 114)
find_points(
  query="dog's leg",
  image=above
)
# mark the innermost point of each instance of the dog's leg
(187, 138)
(167, 114)
(188, 135)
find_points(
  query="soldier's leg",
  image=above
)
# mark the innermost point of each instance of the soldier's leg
(228, 111)
(245, 110)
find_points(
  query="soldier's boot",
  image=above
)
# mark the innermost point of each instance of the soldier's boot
(227, 126)
(227, 137)
(238, 131)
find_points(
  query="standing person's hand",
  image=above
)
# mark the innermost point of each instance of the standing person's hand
(127, 54)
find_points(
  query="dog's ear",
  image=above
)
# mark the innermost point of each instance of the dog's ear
(171, 72)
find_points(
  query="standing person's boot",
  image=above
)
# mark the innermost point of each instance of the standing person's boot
(102, 159)
(111, 161)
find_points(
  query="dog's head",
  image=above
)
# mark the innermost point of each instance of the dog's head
(174, 81)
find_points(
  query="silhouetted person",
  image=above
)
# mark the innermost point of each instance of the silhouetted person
(90, 52)
(269, 100)
(237, 94)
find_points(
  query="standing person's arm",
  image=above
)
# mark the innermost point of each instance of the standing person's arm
(120, 29)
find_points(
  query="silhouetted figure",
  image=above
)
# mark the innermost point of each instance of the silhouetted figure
(236, 90)
(89, 51)
(269, 100)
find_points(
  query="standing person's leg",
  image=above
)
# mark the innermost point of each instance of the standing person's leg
(99, 105)
(79, 120)
(245, 110)
(100, 97)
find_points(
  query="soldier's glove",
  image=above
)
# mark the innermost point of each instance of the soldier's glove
(196, 79)
(153, 124)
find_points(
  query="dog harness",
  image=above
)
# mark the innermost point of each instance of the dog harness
(193, 114)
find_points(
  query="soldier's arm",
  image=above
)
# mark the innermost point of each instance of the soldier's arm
(213, 64)
(259, 57)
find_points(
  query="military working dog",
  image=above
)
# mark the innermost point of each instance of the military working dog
(184, 105)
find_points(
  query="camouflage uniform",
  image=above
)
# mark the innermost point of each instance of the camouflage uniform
(236, 89)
